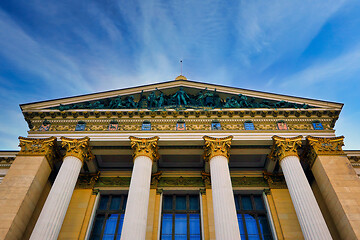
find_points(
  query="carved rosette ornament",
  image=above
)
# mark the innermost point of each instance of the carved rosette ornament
(79, 148)
(217, 147)
(39, 147)
(323, 146)
(145, 147)
(283, 147)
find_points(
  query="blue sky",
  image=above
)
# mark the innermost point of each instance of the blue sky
(52, 49)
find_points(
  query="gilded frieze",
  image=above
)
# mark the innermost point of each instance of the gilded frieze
(206, 178)
(234, 123)
(300, 127)
(181, 182)
(88, 180)
(113, 182)
(275, 181)
(155, 178)
(198, 127)
(232, 127)
(249, 182)
(265, 127)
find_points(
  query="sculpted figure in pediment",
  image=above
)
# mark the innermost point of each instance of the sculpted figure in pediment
(152, 100)
(180, 97)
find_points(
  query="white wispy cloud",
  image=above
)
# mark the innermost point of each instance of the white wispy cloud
(77, 48)
(338, 69)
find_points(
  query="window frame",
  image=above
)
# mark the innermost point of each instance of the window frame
(254, 212)
(187, 211)
(107, 212)
(249, 122)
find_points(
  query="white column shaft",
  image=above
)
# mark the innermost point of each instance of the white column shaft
(307, 210)
(53, 213)
(226, 224)
(138, 200)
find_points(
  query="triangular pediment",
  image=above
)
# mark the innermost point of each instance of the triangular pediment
(181, 94)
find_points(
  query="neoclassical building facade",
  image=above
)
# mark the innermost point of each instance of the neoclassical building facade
(180, 160)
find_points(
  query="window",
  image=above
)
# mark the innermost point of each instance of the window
(215, 125)
(113, 126)
(180, 217)
(109, 217)
(180, 126)
(282, 125)
(249, 125)
(146, 126)
(252, 217)
(45, 126)
(80, 126)
(317, 125)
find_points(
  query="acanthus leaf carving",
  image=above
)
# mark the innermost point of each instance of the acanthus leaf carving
(217, 147)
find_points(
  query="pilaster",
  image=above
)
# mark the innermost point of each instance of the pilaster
(338, 183)
(22, 186)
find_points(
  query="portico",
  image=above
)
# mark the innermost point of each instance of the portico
(180, 159)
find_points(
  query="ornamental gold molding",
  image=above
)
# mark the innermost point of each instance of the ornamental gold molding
(145, 147)
(326, 146)
(38, 147)
(275, 181)
(79, 148)
(323, 146)
(283, 147)
(216, 147)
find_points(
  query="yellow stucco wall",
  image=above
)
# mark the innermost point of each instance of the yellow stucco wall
(156, 216)
(275, 217)
(210, 214)
(75, 214)
(151, 213)
(286, 214)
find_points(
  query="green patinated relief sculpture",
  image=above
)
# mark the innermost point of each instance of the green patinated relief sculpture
(181, 99)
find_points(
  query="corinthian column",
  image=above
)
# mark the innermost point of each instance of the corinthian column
(53, 213)
(307, 210)
(145, 152)
(217, 153)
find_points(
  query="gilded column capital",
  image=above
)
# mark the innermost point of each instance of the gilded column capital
(283, 147)
(39, 147)
(145, 147)
(323, 146)
(217, 147)
(79, 148)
